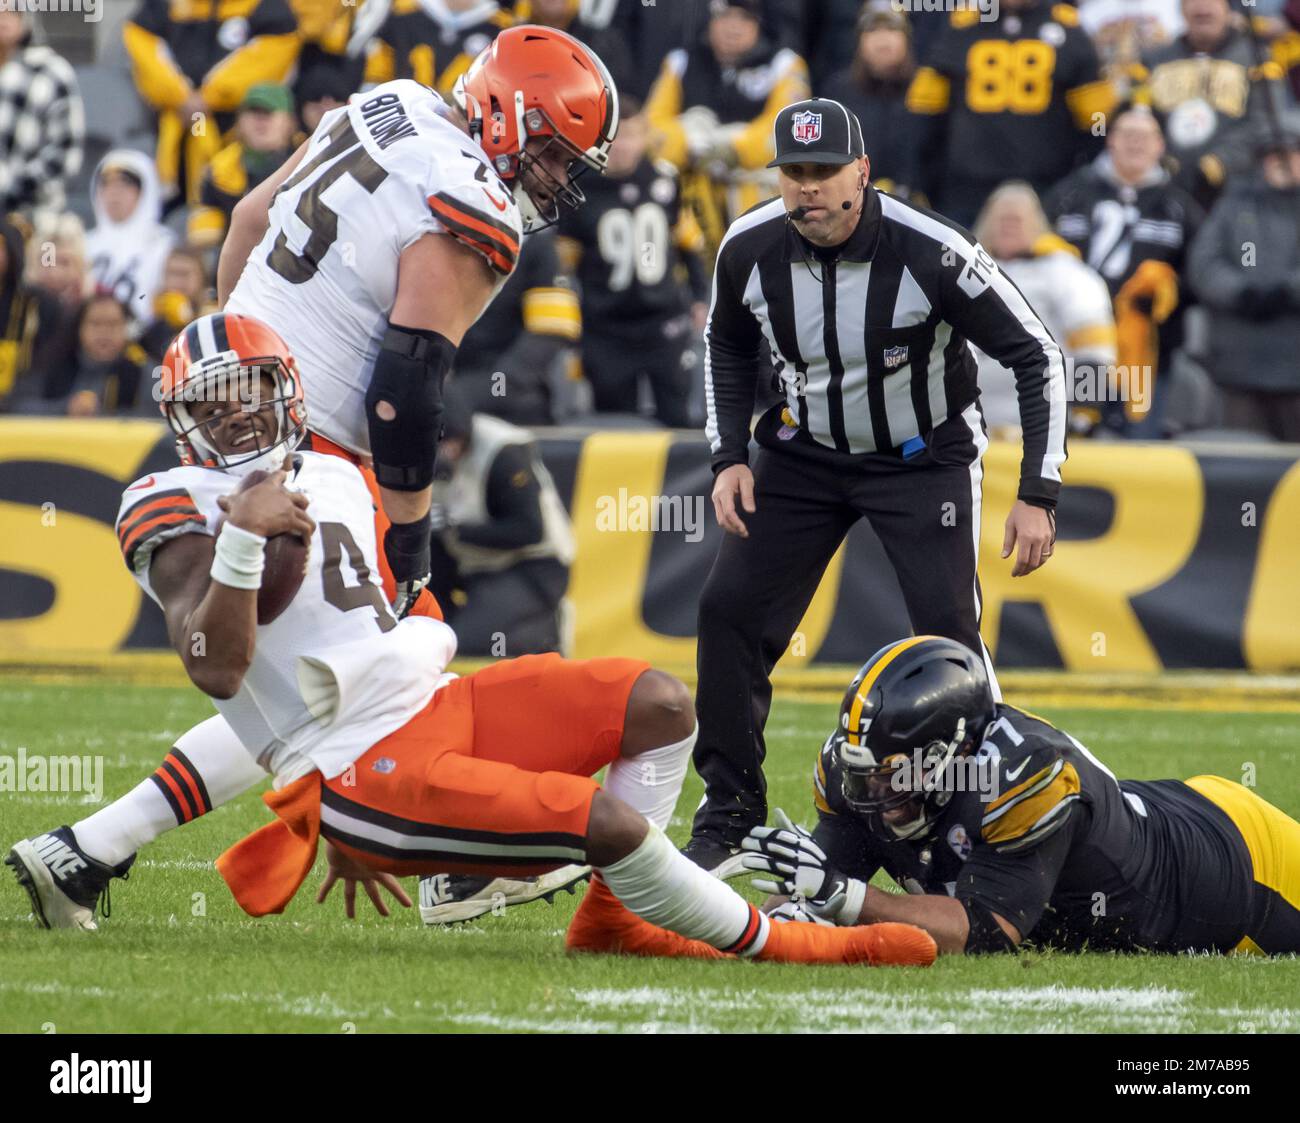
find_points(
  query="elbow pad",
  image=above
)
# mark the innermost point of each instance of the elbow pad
(404, 406)
(986, 934)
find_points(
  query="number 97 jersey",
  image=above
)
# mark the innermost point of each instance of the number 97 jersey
(339, 603)
(377, 175)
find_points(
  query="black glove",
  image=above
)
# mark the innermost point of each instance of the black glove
(406, 546)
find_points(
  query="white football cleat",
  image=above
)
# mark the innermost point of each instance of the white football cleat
(63, 881)
(455, 898)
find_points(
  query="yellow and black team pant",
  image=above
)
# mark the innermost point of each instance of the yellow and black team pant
(1273, 839)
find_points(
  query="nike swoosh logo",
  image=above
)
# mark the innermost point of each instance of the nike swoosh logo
(1013, 775)
(146, 482)
(499, 205)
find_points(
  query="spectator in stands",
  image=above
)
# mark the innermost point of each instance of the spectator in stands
(434, 43)
(57, 272)
(1245, 266)
(712, 110)
(636, 253)
(502, 540)
(1134, 226)
(19, 316)
(609, 43)
(1209, 95)
(1021, 93)
(42, 122)
(193, 63)
(334, 35)
(875, 87)
(319, 92)
(506, 362)
(266, 136)
(184, 295)
(826, 47)
(97, 371)
(128, 244)
(1069, 296)
(1126, 30)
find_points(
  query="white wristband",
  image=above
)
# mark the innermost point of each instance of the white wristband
(855, 896)
(239, 558)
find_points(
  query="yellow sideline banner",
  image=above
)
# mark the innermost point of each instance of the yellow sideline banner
(1169, 556)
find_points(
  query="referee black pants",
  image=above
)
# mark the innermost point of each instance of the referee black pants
(926, 513)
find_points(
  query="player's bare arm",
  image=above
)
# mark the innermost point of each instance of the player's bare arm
(945, 918)
(248, 223)
(211, 625)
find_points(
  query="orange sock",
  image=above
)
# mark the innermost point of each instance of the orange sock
(603, 924)
(798, 941)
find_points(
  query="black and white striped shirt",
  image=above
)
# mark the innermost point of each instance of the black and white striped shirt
(870, 346)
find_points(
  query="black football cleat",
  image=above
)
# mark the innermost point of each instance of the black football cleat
(63, 882)
(723, 860)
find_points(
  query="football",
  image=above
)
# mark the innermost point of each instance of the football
(286, 564)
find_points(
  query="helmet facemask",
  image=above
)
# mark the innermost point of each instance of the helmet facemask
(240, 385)
(872, 788)
(534, 124)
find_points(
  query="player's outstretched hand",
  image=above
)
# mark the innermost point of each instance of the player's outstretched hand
(734, 480)
(1033, 529)
(802, 871)
(344, 869)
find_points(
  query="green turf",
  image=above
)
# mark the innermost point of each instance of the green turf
(157, 966)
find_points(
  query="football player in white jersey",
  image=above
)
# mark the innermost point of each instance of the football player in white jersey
(400, 766)
(371, 252)
(383, 238)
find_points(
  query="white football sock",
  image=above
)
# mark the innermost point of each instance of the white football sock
(652, 781)
(207, 767)
(661, 885)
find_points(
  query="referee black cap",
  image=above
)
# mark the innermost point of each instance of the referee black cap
(817, 131)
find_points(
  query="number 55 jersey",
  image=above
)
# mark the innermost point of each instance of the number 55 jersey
(377, 175)
(334, 672)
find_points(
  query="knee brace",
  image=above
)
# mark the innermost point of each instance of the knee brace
(404, 406)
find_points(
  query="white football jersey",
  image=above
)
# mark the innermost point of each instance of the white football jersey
(377, 673)
(377, 175)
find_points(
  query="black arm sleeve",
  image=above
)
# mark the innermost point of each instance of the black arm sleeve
(1017, 885)
(513, 502)
(732, 342)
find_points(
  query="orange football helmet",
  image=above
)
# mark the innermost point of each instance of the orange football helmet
(225, 354)
(534, 81)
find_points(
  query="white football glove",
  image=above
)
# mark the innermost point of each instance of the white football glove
(797, 910)
(802, 871)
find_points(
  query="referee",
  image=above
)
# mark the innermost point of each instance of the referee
(864, 304)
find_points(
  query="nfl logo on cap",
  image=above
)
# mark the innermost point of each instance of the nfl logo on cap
(806, 127)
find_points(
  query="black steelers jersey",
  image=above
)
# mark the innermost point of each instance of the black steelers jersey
(633, 249)
(412, 44)
(1015, 96)
(1046, 837)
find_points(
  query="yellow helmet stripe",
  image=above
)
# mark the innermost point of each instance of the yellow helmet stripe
(869, 680)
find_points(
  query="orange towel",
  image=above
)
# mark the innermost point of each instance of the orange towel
(265, 869)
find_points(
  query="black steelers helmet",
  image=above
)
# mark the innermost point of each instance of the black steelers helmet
(913, 707)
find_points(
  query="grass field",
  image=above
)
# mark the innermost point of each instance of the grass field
(178, 955)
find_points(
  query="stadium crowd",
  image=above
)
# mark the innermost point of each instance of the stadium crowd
(1134, 166)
